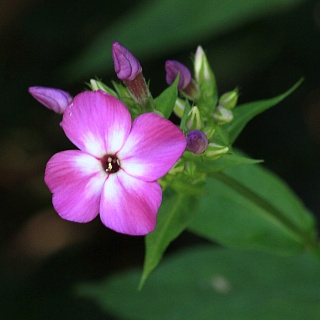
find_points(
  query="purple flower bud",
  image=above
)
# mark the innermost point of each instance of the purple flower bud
(172, 70)
(54, 99)
(197, 141)
(126, 66)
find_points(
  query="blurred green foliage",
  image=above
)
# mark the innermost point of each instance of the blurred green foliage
(209, 283)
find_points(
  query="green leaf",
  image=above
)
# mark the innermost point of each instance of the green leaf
(244, 113)
(166, 100)
(173, 217)
(251, 208)
(228, 160)
(204, 283)
(155, 28)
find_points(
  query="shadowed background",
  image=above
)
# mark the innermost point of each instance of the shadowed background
(261, 46)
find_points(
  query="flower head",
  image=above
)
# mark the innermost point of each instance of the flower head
(126, 66)
(197, 141)
(54, 99)
(172, 69)
(115, 171)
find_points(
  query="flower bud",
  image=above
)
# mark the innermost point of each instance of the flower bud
(197, 141)
(172, 69)
(126, 66)
(98, 85)
(229, 99)
(179, 107)
(215, 151)
(54, 99)
(194, 121)
(209, 131)
(205, 78)
(129, 70)
(223, 115)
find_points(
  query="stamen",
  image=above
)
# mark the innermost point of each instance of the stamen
(110, 163)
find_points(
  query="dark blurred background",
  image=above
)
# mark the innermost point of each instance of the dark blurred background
(261, 46)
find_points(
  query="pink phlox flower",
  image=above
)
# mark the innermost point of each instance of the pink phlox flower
(115, 171)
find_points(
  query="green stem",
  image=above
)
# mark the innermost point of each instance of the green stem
(311, 243)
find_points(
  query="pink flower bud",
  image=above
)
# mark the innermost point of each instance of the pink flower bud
(126, 66)
(197, 141)
(172, 69)
(54, 99)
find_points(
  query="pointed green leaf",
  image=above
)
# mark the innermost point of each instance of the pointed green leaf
(173, 217)
(244, 113)
(166, 100)
(249, 207)
(202, 283)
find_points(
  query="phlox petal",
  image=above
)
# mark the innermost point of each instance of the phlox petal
(97, 122)
(154, 145)
(76, 180)
(129, 205)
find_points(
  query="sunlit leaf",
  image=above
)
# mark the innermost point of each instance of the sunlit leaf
(249, 207)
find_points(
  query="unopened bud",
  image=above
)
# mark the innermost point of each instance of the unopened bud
(186, 85)
(223, 115)
(197, 141)
(229, 99)
(54, 99)
(173, 68)
(204, 75)
(126, 66)
(129, 70)
(179, 107)
(194, 121)
(215, 151)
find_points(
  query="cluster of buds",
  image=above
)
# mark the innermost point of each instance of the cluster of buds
(200, 121)
(223, 112)
(207, 112)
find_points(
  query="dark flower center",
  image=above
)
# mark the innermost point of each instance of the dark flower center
(110, 163)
